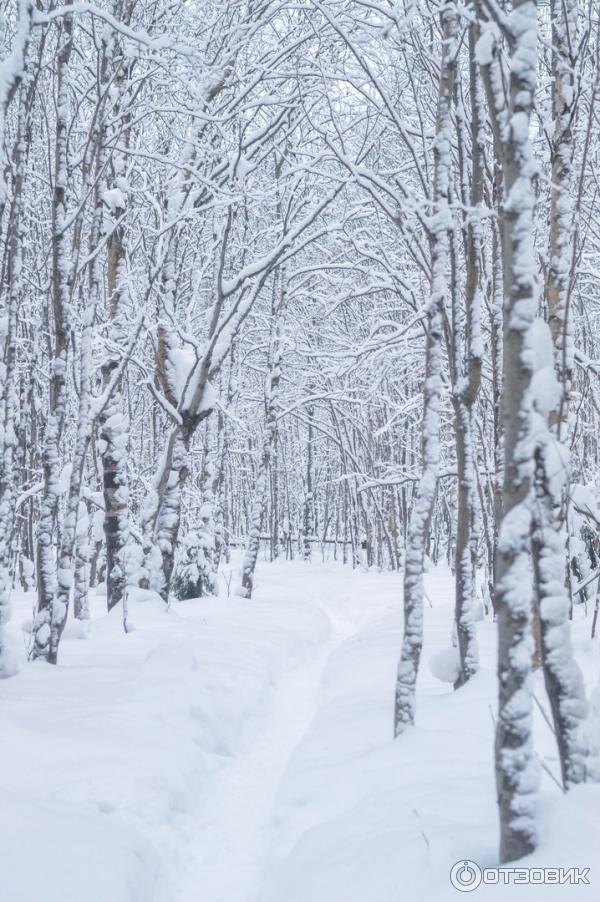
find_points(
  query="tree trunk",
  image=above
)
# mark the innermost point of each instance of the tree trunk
(59, 316)
(465, 396)
(269, 438)
(550, 542)
(516, 768)
(405, 702)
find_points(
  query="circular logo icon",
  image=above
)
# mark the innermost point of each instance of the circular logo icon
(465, 876)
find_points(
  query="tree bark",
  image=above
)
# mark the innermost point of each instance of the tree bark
(516, 768)
(269, 438)
(59, 316)
(550, 541)
(405, 702)
(468, 381)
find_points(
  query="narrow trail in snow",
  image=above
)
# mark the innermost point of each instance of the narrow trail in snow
(235, 831)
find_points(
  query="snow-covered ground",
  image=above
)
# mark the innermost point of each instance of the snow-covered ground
(241, 751)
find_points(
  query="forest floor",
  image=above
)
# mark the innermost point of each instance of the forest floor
(241, 751)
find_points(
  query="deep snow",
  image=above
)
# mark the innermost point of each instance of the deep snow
(236, 751)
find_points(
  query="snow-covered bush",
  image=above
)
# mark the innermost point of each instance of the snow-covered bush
(195, 573)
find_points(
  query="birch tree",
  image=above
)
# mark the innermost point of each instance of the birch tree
(12, 70)
(550, 543)
(516, 768)
(441, 228)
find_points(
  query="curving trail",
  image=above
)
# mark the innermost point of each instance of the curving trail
(238, 836)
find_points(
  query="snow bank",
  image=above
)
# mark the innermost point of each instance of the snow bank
(55, 851)
(363, 817)
(106, 757)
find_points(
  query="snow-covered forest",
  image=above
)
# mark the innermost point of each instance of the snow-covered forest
(299, 449)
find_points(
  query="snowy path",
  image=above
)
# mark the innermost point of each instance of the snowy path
(233, 835)
(233, 845)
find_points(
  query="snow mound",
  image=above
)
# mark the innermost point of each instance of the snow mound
(445, 665)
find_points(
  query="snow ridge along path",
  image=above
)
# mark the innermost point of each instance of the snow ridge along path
(231, 850)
